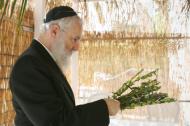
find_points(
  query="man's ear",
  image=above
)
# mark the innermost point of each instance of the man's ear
(54, 29)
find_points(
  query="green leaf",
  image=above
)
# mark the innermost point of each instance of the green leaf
(140, 95)
(13, 7)
(22, 11)
(1, 4)
(4, 10)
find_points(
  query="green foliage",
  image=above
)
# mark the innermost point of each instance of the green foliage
(22, 11)
(144, 94)
(13, 5)
(4, 10)
(1, 4)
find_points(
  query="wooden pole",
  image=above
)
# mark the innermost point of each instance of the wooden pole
(74, 63)
(39, 12)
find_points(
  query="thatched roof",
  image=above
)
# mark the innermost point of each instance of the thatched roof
(136, 16)
(133, 16)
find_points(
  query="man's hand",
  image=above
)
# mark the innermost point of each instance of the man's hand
(113, 106)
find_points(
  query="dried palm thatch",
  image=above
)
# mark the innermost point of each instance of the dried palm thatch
(52, 3)
(113, 5)
(10, 49)
(116, 56)
(186, 8)
(136, 16)
(114, 35)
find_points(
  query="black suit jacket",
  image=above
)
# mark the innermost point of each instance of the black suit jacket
(43, 97)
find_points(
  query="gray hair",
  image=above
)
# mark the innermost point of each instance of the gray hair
(64, 23)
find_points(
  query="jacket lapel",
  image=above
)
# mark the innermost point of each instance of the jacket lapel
(54, 67)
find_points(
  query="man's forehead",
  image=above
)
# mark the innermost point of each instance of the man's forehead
(76, 26)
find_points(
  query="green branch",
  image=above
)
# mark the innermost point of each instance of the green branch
(144, 94)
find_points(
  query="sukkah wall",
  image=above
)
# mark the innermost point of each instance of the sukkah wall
(104, 65)
(114, 57)
(11, 46)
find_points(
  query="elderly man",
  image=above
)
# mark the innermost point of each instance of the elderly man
(41, 93)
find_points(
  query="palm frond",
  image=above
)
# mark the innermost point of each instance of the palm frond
(1, 4)
(4, 10)
(21, 12)
(13, 7)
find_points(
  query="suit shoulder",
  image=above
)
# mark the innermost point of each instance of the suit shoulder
(29, 56)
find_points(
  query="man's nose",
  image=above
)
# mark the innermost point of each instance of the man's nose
(76, 46)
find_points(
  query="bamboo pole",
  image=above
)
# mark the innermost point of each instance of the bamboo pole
(74, 62)
(39, 13)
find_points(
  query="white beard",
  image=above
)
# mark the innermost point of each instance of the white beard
(62, 56)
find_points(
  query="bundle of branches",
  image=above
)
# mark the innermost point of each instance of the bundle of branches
(140, 90)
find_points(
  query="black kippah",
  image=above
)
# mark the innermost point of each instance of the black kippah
(58, 13)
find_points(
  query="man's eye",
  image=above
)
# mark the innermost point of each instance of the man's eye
(75, 39)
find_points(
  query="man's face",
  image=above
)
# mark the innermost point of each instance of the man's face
(66, 43)
(72, 36)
